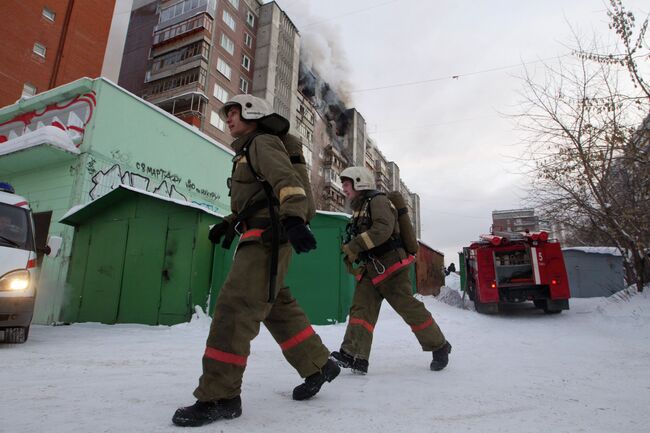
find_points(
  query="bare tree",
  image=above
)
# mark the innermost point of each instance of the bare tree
(588, 124)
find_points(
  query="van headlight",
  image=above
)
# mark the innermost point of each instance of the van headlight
(15, 281)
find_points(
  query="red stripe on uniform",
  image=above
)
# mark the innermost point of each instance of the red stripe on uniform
(253, 233)
(298, 338)
(228, 358)
(391, 270)
(21, 204)
(368, 326)
(421, 326)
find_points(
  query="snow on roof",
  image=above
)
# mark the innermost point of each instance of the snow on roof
(73, 210)
(325, 212)
(48, 135)
(613, 251)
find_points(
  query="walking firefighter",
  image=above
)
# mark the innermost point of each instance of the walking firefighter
(271, 206)
(381, 242)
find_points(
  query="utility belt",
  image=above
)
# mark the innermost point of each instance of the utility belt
(391, 244)
(273, 232)
(243, 226)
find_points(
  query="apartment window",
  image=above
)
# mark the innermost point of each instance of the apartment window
(243, 85)
(39, 49)
(227, 44)
(49, 14)
(234, 3)
(220, 93)
(28, 90)
(248, 40)
(229, 20)
(250, 18)
(246, 62)
(216, 121)
(224, 68)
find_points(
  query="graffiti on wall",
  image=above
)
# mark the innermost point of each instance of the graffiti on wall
(71, 116)
(155, 180)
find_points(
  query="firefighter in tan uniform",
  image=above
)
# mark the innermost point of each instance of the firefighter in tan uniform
(253, 291)
(374, 242)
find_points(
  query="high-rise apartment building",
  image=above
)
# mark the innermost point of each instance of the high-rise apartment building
(277, 60)
(47, 43)
(190, 56)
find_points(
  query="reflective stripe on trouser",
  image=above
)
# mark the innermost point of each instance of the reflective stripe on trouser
(365, 309)
(241, 306)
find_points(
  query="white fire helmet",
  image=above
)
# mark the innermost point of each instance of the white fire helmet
(254, 108)
(361, 178)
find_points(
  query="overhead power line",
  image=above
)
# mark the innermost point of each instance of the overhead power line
(456, 77)
(484, 71)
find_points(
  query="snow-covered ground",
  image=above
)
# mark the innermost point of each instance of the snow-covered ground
(585, 370)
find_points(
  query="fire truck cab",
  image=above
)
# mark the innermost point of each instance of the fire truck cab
(515, 267)
(18, 265)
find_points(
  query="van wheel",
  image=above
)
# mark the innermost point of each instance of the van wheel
(16, 335)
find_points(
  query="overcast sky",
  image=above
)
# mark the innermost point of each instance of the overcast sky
(454, 147)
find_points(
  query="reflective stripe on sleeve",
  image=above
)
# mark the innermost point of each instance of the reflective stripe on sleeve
(365, 237)
(288, 191)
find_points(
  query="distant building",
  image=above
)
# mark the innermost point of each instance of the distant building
(517, 220)
(47, 43)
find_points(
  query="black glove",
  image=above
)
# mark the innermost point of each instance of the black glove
(299, 235)
(217, 231)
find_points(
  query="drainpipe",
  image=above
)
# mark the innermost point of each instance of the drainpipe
(59, 51)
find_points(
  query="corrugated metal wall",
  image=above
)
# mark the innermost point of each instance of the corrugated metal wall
(591, 274)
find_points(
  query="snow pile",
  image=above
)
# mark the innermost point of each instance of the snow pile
(628, 306)
(47, 135)
(451, 293)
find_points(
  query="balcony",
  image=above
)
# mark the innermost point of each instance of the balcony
(198, 24)
(186, 82)
(189, 107)
(332, 178)
(188, 57)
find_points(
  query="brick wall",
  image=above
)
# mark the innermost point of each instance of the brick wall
(83, 49)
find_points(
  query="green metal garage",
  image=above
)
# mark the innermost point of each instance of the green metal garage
(142, 258)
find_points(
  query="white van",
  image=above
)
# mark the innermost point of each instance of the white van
(18, 265)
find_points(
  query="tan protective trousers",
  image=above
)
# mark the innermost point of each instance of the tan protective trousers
(366, 304)
(241, 305)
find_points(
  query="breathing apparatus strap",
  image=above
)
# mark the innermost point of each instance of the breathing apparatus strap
(272, 202)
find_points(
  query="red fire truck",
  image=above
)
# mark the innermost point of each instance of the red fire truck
(507, 267)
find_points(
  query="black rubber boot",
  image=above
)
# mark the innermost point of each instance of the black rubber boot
(205, 412)
(314, 382)
(441, 357)
(345, 360)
